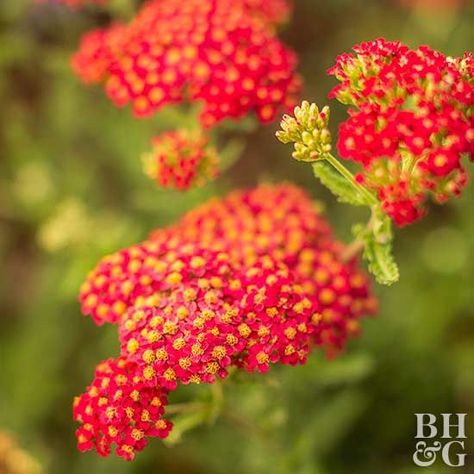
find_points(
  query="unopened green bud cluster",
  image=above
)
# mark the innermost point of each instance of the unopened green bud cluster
(308, 130)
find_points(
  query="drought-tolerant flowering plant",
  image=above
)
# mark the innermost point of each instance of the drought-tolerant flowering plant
(220, 57)
(410, 125)
(237, 283)
(410, 129)
(255, 279)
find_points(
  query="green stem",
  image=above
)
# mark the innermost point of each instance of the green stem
(212, 407)
(217, 392)
(187, 416)
(371, 199)
(358, 244)
(185, 407)
(230, 154)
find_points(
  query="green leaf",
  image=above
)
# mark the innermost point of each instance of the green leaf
(343, 189)
(378, 239)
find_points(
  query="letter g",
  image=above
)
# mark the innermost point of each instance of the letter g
(446, 458)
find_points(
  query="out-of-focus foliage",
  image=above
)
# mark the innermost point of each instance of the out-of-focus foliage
(72, 190)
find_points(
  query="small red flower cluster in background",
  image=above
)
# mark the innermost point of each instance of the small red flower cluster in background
(222, 54)
(248, 281)
(181, 160)
(410, 125)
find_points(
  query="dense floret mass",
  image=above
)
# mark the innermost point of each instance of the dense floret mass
(119, 408)
(223, 55)
(410, 122)
(181, 160)
(216, 317)
(248, 281)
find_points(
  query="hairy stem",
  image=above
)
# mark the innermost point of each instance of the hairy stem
(370, 198)
(357, 245)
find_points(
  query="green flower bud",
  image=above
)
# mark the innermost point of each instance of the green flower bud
(308, 130)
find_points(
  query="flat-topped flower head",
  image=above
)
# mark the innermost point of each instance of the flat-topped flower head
(281, 222)
(223, 55)
(181, 160)
(277, 222)
(119, 409)
(247, 281)
(410, 124)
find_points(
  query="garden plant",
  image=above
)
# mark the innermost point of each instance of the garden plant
(256, 282)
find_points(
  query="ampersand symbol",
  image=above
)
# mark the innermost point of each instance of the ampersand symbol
(428, 453)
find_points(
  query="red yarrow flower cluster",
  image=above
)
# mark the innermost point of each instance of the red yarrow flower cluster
(195, 332)
(410, 124)
(249, 281)
(181, 160)
(221, 54)
(281, 222)
(119, 408)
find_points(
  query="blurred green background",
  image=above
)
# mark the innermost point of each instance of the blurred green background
(72, 190)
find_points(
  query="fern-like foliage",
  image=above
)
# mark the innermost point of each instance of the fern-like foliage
(378, 240)
(343, 189)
